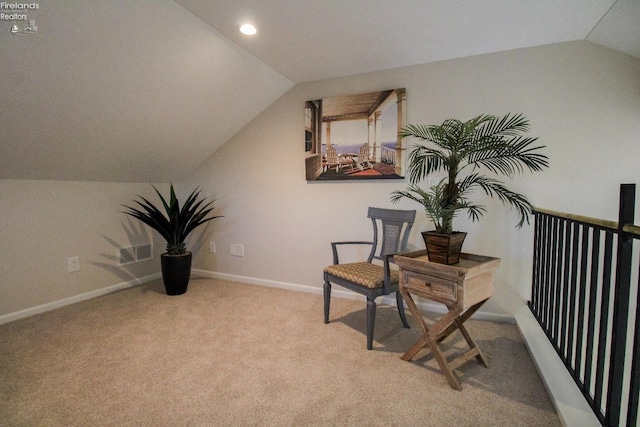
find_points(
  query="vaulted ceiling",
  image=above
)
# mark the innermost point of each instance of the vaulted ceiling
(144, 91)
(307, 40)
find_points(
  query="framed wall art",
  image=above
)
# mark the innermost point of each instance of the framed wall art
(355, 137)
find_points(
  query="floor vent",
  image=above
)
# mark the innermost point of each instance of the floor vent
(133, 254)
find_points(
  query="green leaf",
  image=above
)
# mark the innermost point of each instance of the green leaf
(486, 142)
(175, 223)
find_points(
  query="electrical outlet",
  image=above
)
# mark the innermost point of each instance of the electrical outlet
(73, 264)
(212, 247)
(237, 249)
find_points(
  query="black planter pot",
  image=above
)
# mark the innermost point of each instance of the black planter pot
(176, 271)
(444, 248)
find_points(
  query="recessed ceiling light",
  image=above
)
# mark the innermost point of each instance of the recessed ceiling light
(248, 29)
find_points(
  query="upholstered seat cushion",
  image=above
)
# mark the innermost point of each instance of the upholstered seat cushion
(362, 273)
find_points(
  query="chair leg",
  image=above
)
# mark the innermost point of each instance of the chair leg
(371, 320)
(327, 300)
(400, 303)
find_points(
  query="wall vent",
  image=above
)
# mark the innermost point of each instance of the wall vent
(143, 252)
(126, 256)
(133, 254)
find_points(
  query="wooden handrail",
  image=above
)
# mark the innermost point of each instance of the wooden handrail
(631, 229)
(613, 225)
(586, 219)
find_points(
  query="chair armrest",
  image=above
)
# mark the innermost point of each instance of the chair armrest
(334, 247)
(387, 260)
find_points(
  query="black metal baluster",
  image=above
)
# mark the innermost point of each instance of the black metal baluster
(535, 289)
(574, 286)
(604, 322)
(634, 390)
(582, 296)
(620, 306)
(546, 277)
(553, 284)
(560, 302)
(591, 316)
(568, 271)
(565, 288)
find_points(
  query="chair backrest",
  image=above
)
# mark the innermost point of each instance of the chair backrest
(395, 226)
(332, 156)
(364, 153)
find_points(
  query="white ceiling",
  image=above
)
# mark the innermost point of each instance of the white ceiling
(307, 40)
(145, 91)
(123, 91)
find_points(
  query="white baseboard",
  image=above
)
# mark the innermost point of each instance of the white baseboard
(571, 406)
(340, 293)
(74, 299)
(256, 281)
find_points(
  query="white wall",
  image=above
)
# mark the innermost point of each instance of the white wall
(583, 102)
(45, 222)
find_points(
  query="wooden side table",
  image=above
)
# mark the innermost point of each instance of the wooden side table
(461, 287)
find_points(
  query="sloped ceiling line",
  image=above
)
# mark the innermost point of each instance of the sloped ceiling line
(141, 92)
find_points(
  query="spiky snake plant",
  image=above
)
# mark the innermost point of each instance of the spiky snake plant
(178, 222)
(486, 141)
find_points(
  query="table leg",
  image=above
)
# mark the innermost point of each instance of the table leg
(444, 366)
(452, 327)
(427, 334)
(414, 310)
(439, 331)
(427, 339)
(408, 355)
(480, 356)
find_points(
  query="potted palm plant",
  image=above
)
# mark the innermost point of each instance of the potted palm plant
(463, 150)
(174, 227)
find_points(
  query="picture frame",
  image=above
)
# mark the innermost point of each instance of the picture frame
(355, 137)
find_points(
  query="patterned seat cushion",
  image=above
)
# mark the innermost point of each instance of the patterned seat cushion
(362, 273)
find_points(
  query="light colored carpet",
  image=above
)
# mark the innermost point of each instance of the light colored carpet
(233, 354)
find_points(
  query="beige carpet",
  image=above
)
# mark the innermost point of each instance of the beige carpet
(232, 354)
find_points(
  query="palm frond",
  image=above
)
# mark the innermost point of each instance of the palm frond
(423, 161)
(493, 187)
(510, 157)
(507, 126)
(489, 142)
(475, 212)
(175, 223)
(439, 212)
(424, 133)
(152, 217)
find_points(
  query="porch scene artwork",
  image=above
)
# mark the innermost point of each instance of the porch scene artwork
(355, 137)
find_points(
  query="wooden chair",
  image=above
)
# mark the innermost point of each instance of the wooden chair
(332, 159)
(367, 278)
(364, 159)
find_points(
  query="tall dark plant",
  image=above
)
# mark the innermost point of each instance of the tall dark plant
(175, 223)
(486, 141)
